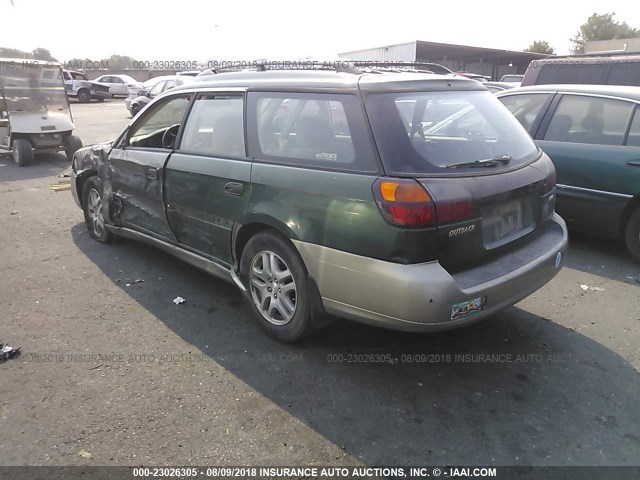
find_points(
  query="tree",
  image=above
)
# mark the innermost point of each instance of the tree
(120, 62)
(601, 27)
(42, 54)
(541, 46)
(14, 53)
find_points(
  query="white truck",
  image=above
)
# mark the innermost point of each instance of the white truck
(79, 87)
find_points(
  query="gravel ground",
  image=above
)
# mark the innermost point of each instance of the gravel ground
(114, 368)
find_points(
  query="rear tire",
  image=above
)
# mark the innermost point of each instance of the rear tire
(22, 152)
(71, 145)
(632, 235)
(84, 96)
(134, 110)
(278, 291)
(92, 208)
(100, 99)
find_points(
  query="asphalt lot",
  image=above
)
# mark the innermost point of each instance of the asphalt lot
(199, 384)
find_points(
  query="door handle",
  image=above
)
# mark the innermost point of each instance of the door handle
(152, 173)
(634, 163)
(233, 188)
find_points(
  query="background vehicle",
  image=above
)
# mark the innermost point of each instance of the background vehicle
(79, 87)
(495, 87)
(137, 100)
(118, 84)
(512, 78)
(474, 76)
(592, 134)
(34, 110)
(273, 180)
(604, 70)
(189, 73)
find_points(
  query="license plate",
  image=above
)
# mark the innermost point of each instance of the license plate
(466, 309)
(503, 223)
(507, 219)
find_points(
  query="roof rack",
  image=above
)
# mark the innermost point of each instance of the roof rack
(347, 66)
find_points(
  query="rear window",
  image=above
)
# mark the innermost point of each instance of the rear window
(426, 132)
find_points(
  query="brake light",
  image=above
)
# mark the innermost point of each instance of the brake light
(456, 211)
(404, 202)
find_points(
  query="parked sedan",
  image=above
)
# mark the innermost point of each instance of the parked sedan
(118, 84)
(592, 134)
(139, 97)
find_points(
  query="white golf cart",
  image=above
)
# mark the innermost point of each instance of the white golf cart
(34, 110)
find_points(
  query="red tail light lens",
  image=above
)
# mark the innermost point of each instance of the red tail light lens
(456, 211)
(404, 202)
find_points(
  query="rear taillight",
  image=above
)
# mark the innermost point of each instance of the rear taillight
(404, 202)
(456, 211)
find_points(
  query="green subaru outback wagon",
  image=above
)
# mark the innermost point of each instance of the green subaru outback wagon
(407, 200)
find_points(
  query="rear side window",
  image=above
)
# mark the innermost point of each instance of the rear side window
(624, 73)
(585, 119)
(525, 107)
(318, 130)
(215, 127)
(426, 132)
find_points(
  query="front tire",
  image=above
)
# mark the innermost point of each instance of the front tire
(71, 145)
(84, 96)
(92, 208)
(278, 291)
(100, 99)
(134, 110)
(22, 152)
(632, 235)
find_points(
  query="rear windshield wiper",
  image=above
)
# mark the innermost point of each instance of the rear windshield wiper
(489, 162)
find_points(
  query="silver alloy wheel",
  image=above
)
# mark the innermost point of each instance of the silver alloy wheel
(94, 207)
(273, 288)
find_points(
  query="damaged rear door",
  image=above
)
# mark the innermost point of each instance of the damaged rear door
(136, 167)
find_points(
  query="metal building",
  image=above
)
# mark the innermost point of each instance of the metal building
(459, 58)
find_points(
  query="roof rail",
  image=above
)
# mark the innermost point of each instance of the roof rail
(347, 66)
(337, 66)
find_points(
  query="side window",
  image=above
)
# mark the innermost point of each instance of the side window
(583, 119)
(116, 80)
(215, 127)
(157, 89)
(624, 73)
(634, 133)
(105, 80)
(320, 130)
(585, 73)
(158, 128)
(525, 107)
(169, 84)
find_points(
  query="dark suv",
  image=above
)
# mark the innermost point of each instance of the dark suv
(407, 200)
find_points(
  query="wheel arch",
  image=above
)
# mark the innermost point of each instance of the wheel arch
(243, 233)
(631, 206)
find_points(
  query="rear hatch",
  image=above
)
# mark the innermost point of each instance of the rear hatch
(489, 187)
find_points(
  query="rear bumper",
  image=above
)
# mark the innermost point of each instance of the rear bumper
(421, 297)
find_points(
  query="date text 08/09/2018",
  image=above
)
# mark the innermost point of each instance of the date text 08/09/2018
(314, 472)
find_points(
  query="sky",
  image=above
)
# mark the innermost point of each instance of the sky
(186, 30)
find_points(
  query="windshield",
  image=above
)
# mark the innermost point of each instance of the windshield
(426, 132)
(32, 88)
